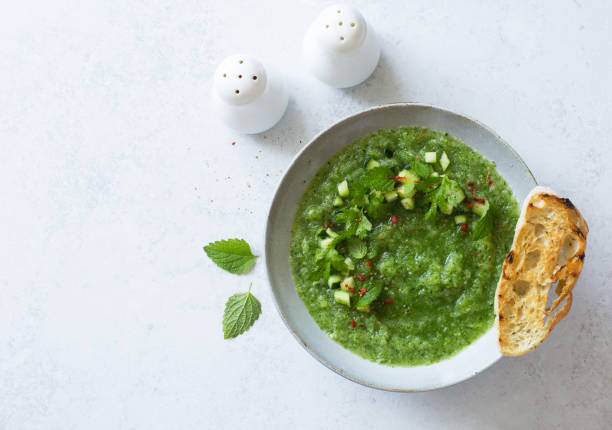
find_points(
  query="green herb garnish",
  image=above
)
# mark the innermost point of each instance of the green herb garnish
(377, 179)
(241, 312)
(357, 248)
(372, 293)
(484, 226)
(233, 255)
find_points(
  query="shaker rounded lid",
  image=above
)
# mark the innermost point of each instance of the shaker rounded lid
(240, 79)
(340, 28)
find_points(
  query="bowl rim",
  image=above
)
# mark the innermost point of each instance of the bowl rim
(268, 229)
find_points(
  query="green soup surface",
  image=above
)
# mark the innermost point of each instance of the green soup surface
(429, 273)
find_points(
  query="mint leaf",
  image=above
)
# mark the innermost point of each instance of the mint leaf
(355, 223)
(357, 248)
(422, 170)
(377, 179)
(233, 255)
(241, 311)
(372, 293)
(484, 226)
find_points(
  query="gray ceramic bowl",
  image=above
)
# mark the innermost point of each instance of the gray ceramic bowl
(467, 363)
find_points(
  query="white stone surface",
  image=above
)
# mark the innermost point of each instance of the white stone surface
(114, 173)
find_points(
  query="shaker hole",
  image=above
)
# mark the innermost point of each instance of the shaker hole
(254, 78)
(225, 75)
(240, 62)
(237, 91)
(340, 23)
(239, 76)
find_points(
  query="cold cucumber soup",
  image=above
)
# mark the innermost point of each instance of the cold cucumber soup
(397, 245)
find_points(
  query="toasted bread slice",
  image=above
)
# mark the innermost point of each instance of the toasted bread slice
(548, 250)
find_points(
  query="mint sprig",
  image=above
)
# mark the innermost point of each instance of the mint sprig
(241, 312)
(372, 293)
(233, 255)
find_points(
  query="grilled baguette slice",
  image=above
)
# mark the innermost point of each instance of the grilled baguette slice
(548, 250)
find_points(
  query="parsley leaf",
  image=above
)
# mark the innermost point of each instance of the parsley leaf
(376, 205)
(357, 248)
(233, 255)
(363, 226)
(446, 197)
(241, 312)
(484, 226)
(372, 293)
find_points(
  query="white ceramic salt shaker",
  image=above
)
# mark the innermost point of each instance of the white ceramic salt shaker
(247, 96)
(340, 48)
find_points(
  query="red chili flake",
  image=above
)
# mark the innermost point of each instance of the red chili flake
(397, 178)
(353, 323)
(361, 278)
(369, 263)
(490, 182)
(416, 181)
(470, 183)
(351, 289)
(489, 176)
(463, 228)
(394, 219)
(389, 301)
(211, 201)
(475, 190)
(362, 291)
(479, 200)
(233, 143)
(468, 205)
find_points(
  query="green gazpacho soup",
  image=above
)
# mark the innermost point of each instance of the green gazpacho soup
(398, 242)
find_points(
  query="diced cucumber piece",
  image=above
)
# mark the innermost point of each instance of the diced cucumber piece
(478, 208)
(406, 190)
(430, 157)
(407, 203)
(409, 177)
(391, 196)
(349, 264)
(365, 308)
(326, 243)
(444, 161)
(333, 280)
(338, 201)
(342, 297)
(446, 208)
(371, 164)
(331, 233)
(343, 189)
(460, 219)
(435, 174)
(347, 283)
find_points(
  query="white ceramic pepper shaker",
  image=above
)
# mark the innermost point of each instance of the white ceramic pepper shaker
(248, 97)
(340, 48)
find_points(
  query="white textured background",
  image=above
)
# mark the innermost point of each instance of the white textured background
(114, 173)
